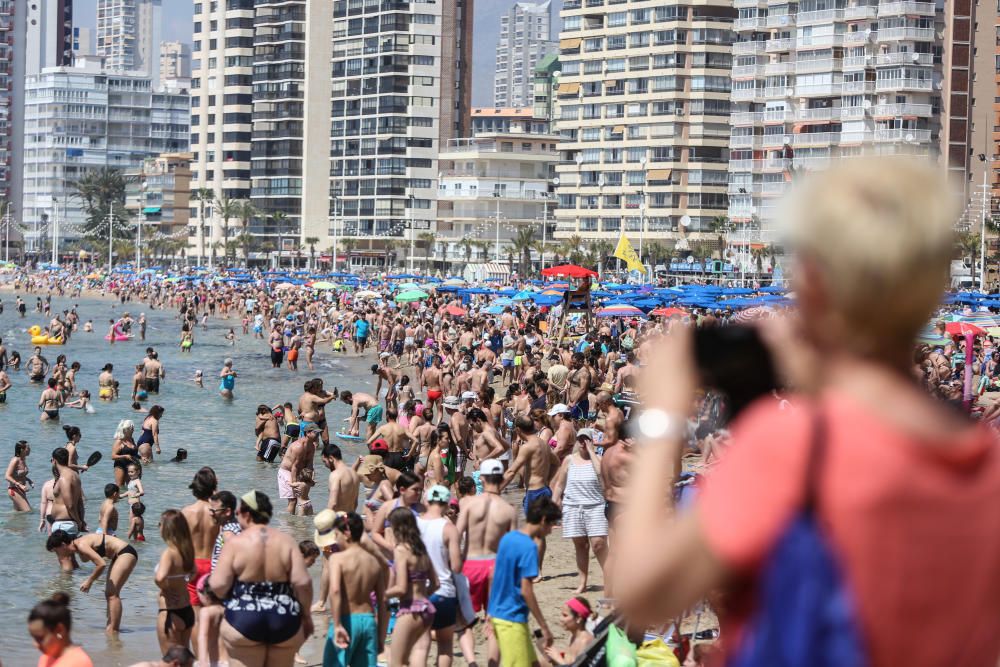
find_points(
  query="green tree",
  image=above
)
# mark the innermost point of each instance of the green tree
(467, 246)
(427, 239)
(967, 247)
(524, 243)
(102, 191)
(280, 220)
(204, 197)
(246, 212)
(311, 241)
(228, 209)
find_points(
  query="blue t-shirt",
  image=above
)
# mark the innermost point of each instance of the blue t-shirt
(361, 329)
(517, 559)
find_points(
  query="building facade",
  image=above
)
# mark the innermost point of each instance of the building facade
(492, 186)
(128, 36)
(221, 109)
(80, 119)
(175, 62)
(546, 77)
(159, 193)
(400, 91)
(643, 100)
(84, 42)
(816, 81)
(525, 39)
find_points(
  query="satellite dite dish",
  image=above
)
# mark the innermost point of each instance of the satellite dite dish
(555, 181)
(685, 221)
(909, 137)
(690, 259)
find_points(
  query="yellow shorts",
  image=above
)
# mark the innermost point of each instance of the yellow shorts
(514, 639)
(518, 360)
(106, 392)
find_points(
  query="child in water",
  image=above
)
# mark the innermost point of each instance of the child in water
(231, 336)
(187, 340)
(88, 327)
(198, 377)
(135, 490)
(137, 523)
(82, 403)
(109, 513)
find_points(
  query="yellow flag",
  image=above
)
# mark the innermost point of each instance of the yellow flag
(627, 254)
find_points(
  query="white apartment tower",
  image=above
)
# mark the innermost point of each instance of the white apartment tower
(643, 119)
(525, 38)
(818, 80)
(128, 36)
(175, 61)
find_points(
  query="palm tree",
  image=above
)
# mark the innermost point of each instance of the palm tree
(967, 245)
(758, 254)
(427, 239)
(484, 248)
(246, 212)
(572, 249)
(311, 241)
(280, 219)
(102, 191)
(204, 197)
(467, 246)
(348, 244)
(227, 210)
(524, 243)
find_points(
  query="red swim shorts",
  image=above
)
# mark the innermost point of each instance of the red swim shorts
(478, 573)
(201, 566)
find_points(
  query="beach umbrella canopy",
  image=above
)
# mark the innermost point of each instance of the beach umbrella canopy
(569, 271)
(367, 294)
(619, 310)
(983, 319)
(523, 295)
(963, 328)
(929, 336)
(323, 284)
(404, 287)
(493, 310)
(755, 313)
(284, 286)
(455, 311)
(411, 295)
(670, 312)
(454, 282)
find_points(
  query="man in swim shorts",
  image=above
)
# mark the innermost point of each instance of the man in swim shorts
(204, 529)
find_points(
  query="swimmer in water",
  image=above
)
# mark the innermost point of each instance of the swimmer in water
(227, 379)
(198, 377)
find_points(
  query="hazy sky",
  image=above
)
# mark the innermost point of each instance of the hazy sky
(177, 19)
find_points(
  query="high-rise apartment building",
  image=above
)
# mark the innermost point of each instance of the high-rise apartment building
(221, 107)
(48, 33)
(400, 90)
(84, 42)
(83, 118)
(128, 35)
(643, 118)
(175, 62)
(525, 39)
(546, 77)
(818, 80)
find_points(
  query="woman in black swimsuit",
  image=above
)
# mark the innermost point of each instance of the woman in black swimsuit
(97, 548)
(175, 618)
(124, 451)
(150, 436)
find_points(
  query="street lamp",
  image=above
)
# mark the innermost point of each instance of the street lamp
(413, 233)
(982, 229)
(496, 193)
(333, 251)
(642, 212)
(6, 228)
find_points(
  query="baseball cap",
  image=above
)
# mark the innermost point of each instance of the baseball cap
(469, 396)
(311, 428)
(379, 446)
(324, 535)
(559, 409)
(438, 494)
(491, 467)
(587, 433)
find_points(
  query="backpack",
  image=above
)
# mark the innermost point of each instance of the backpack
(805, 614)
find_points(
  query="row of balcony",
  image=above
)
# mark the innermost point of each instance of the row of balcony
(786, 44)
(776, 141)
(891, 9)
(832, 114)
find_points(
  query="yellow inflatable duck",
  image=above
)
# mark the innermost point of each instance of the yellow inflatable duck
(37, 338)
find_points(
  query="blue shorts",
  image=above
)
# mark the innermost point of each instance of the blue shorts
(374, 415)
(532, 496)
(446, 613)
(507, 363)
(581, 410)
(363, 649)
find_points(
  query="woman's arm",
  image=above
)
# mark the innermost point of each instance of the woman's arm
(9, 475)
(87, 553)
(559, 484)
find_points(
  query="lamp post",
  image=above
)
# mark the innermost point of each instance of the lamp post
(642, 213)
(496, 194)
(333, 247)
(111, 233)
(142, 221)
(545, 223)
(55, 230)
(6, 229)
(982, 228)
(413, 234)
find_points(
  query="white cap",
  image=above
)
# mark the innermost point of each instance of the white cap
(559, 409)
(491, 467)
(469, 396)
(452, 402)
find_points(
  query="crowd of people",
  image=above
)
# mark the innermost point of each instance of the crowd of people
(486, 433)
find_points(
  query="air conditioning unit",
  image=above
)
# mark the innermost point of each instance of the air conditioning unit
(679, 111)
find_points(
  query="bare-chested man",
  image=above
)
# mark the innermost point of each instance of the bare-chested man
(38, 366)
(614, 418)
(432, 380)
(152, 372)
(397, 439)
(204, 531)
(66, 511)
(614, 472)
(312, 406)
(390, 376)
(486, 442)
(296, 464)
(482, 520)
(539, 464)
(357, 579)
(363, 407)
(578, 387)
(344, 481)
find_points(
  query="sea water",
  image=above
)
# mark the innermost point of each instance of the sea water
(214, 431)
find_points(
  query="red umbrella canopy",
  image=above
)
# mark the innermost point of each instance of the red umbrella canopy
(455, 311)
(669, 312)
(963, 328)
(569, 270)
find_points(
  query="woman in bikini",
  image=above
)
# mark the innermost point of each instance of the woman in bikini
(18, 483)
(98, 548)
(150, 436)
(175, 618)
(413, 581)
(124, 450)
(106, 383)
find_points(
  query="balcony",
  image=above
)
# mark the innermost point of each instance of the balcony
(858, 87)
(780, 21)
(743, 4)
(773, 141)
(747, 48)
(820, 16)
(777, 69)
(745, 141)
(856, 62)
(903, 84)
(852, 113)
(748, 71)
(818, 90)
(822, 65)
(745, 95)
(906, 34)
(777, 115)
(779, 45)
(906, 9)
(820, 41)
(902, 135)
(827, 114)
(752, 23)
(897, 110)
(858, 37)
(746, 119)
(860, 13)
(815, 139)
(904, 59)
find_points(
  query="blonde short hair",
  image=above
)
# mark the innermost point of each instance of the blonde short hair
(881, 232)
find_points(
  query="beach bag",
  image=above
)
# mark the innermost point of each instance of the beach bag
(656, 652)
(620, 651)
(805, 614)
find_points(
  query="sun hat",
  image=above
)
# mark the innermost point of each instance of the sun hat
(325, 534)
